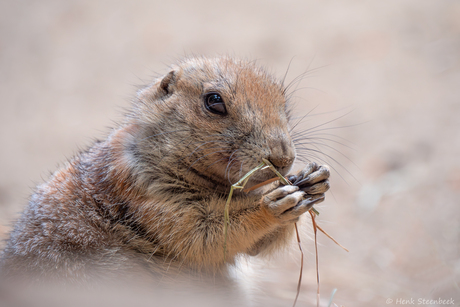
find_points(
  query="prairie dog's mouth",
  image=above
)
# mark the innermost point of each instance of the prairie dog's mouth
(264, 174)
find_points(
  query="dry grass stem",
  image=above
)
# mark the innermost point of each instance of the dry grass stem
(240, 185)
(330, 237)
(299, 283)
(315, 227)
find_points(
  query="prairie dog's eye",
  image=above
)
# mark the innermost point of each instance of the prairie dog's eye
(215, 104)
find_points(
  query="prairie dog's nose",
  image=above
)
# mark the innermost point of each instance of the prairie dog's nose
(281, 162)
(282, 152)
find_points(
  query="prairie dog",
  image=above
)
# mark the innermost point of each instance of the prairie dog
(151, 196)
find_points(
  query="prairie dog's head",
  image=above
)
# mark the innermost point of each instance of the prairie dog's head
(212, 119)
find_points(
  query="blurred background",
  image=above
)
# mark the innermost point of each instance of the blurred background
(383, 90)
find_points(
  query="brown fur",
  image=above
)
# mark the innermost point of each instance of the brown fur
(151, 196)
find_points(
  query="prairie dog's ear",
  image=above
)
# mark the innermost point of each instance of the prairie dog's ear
(166, 84)
(161, 87)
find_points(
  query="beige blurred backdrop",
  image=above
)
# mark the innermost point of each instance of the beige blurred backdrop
(384, 83)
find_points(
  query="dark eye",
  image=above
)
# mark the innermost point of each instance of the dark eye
(215, 104)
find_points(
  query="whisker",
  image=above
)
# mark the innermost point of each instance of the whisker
(300, 77)
(303, 118)
(333, 159)
(296, 81)
(286, 73)
(333, 135)
(298, 142)
(331, 148)
(230, 160)
(323, 161)
(229, 167)
(321, 125)
(307, 132)
(328, 112)
(240, 173)
(291, 94)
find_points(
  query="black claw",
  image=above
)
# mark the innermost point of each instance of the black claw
(320, 199)
(307, 203)
(299, 183)
(292, 179)
(314, 200)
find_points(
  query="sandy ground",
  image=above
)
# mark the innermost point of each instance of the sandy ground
(385, 82)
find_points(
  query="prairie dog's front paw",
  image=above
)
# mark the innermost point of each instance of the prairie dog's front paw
(313, 179)
(288, 203)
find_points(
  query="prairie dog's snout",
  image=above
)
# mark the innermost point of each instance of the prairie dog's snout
(282, 152)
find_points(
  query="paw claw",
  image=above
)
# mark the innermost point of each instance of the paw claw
(288, 203)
